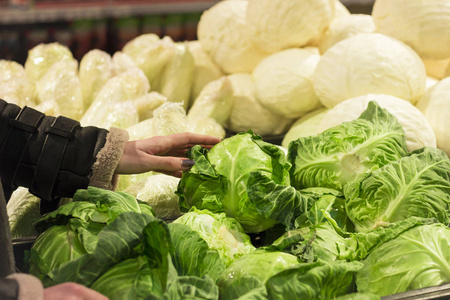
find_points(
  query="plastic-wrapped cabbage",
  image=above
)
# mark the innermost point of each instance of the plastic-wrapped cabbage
(348, 151)
(247, 113)
(14, 85)
(345, 27)
(223, 33)
(141, 130)
(159, 192)
(206, 125)
(119, 115)
(274, 25)
(419, 24)
(175, 80)
(418, 131)
(435, 105)
(126, 86)
(369, 63)
(122, 63)
(61, 85)
(23, 208)
(417, 185)
(150, 53)
(215, 101)
(306, 125)
(169, 118)
(94, 71)
(283, 82)
(222, 233)
(41, 57)
(205, 71)
(147, 103)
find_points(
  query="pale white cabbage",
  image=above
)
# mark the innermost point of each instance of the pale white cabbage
(95, 69)
(175, 80)
(169, 118)
(215, 101)
(431, 81)
(206, 125)
(14, 85)
(247, 113)
(340, 9)
(306, 125)
(369, 63)
(147, 103)
(141, 130)
(159, 192)
(345, 27)
(223, 33)
(283, 82)
(417, 129)
(436, 67)
(23, 208)
(61, 86)
(150, 53)
(122, 63)
(205, 71)
(126, 86)
(119, 115)
(42, 56)
(275, 25)
(435, 104)
(423, 25)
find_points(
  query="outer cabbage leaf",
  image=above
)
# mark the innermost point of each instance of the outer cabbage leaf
(219, 179)
(61, 244)
(348, 151)
(252, 271)
(132, 278)
(318, 280)
(91, 205)
(291, 207)
(221, 233)
(192, 255)
(23, 209)
(416, 259)
(128, 233)
(189, 287)
(416, 185)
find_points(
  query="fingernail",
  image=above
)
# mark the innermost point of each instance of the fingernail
(186, 163)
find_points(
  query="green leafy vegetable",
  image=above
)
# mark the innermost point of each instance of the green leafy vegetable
(347, 151)
(416, 185)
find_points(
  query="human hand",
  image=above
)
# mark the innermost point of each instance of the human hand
(71, 291)
(163, 154)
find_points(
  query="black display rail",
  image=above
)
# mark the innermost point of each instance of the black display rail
(46, 12)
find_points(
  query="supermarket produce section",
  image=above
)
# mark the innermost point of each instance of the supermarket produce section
(332, 177)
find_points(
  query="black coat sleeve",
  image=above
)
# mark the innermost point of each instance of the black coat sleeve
(51, 156)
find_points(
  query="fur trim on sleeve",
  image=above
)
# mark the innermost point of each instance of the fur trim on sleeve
(30, 287)
(107, 160)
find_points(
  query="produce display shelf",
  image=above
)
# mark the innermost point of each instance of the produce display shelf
(46, 13)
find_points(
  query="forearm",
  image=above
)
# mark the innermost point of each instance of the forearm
(54, 157)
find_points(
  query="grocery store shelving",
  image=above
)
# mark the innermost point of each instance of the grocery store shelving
(41, 13)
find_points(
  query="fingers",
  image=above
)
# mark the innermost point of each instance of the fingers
(169, 165)
(72, 291)
(185, 141)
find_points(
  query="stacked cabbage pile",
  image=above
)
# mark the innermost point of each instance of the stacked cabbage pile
(363, 104)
